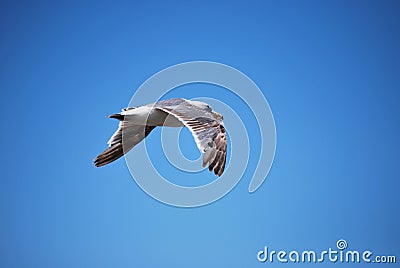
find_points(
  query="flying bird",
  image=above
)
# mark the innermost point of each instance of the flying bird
(136, 123)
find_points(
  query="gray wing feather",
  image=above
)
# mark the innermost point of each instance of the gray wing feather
(208, 132)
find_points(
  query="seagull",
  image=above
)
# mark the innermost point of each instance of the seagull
(136, 123)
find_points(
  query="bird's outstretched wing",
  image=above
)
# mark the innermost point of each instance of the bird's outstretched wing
(208, 132)
(133, 134)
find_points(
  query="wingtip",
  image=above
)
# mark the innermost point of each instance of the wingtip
(97, 163)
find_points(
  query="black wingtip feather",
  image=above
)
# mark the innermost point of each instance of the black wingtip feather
(109, 155)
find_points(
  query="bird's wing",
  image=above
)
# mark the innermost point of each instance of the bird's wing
(209, 133)
(118, 146)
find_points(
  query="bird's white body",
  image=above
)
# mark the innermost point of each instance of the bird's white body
(147, 115)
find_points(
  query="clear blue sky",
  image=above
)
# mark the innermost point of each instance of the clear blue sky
(329, 69)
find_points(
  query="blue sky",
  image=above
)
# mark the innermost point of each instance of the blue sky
(329, 70)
